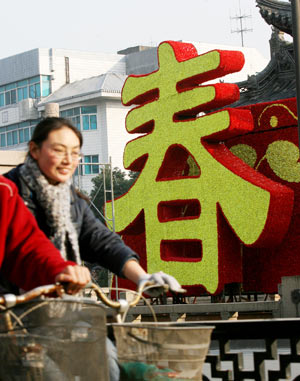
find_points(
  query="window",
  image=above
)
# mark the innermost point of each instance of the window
(84, 118)
(46, 85)
(21, 136)
(9, 139)
(15, 134)
(35, 91)
(22, 93)
(28, 88)
(91, 169)
(3, 140)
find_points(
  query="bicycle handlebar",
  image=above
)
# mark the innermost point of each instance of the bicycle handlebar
(120, 304)
(10, 300)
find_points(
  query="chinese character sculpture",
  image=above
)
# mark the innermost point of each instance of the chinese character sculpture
(196, 204)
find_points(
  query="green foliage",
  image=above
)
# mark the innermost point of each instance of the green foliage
(122, 181)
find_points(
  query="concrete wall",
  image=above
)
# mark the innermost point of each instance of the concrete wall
(10, 159)
(117, 136)
(19, 66)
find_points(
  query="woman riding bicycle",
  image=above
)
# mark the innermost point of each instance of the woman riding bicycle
(44, 182)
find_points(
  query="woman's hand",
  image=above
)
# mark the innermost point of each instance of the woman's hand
(76, 277)
(133, 271)
(160, 279)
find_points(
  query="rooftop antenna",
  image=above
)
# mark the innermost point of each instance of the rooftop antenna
(240, 19)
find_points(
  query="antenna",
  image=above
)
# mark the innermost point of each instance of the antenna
(241, 25)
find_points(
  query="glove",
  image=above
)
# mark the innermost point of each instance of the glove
(160, 279)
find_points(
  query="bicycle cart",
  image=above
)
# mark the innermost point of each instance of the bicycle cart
(57, 339)
(64, 339)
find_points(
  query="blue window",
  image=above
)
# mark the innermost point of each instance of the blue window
(35, 91)
(15, 137)
(13, 96)
(12, 138)
(91, 169)
(26, 134)
(89, 110)
(9, 139)
(10, 86)
(87, 168)
(7, 98)
(46, 86)
(95, 168)
(84, 118)
(93, 122)
(17, 133)
(21, 136)
(86, 122)
(17, 91)
(32, 91)
(89, 122)
(3, 140)
(70, 112)
(22, 83)
(76, 122)
(10, 97)
(38, 90)
(22, 93)
(34, 80)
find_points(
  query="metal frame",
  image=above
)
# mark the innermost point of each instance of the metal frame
(105, 167)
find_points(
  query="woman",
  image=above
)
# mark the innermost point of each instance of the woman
(44, 182)
(27, 257)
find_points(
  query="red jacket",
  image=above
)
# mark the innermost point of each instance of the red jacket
(27, 258)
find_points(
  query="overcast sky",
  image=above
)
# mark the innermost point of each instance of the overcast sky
(111, 25)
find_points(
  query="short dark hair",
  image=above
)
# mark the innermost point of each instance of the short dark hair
(49, 124)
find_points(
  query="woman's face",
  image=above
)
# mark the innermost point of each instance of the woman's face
(58, 155)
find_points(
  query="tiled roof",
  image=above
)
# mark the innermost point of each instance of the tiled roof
(276, 13)
(277, 80)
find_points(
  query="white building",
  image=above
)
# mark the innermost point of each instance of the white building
(87, 87)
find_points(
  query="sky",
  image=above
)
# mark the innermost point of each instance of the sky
(111, 25)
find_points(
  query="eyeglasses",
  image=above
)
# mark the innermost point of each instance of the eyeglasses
(60, 153)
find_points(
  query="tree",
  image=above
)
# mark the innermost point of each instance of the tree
(122, 181)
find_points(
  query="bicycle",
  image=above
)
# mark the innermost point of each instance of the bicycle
(63, 338)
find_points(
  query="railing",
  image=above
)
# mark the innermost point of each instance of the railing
(259, 341)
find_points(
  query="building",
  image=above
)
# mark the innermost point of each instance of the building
(277, 80)
(86, 86)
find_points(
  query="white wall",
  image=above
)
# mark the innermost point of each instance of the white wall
(81, 65)
(10, 159)
(116, 133)
(9, 115)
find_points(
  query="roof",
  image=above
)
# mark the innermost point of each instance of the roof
(277, 80)
(277, 13)
(109, 83)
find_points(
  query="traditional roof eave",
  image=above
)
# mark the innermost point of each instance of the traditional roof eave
(276, 13)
